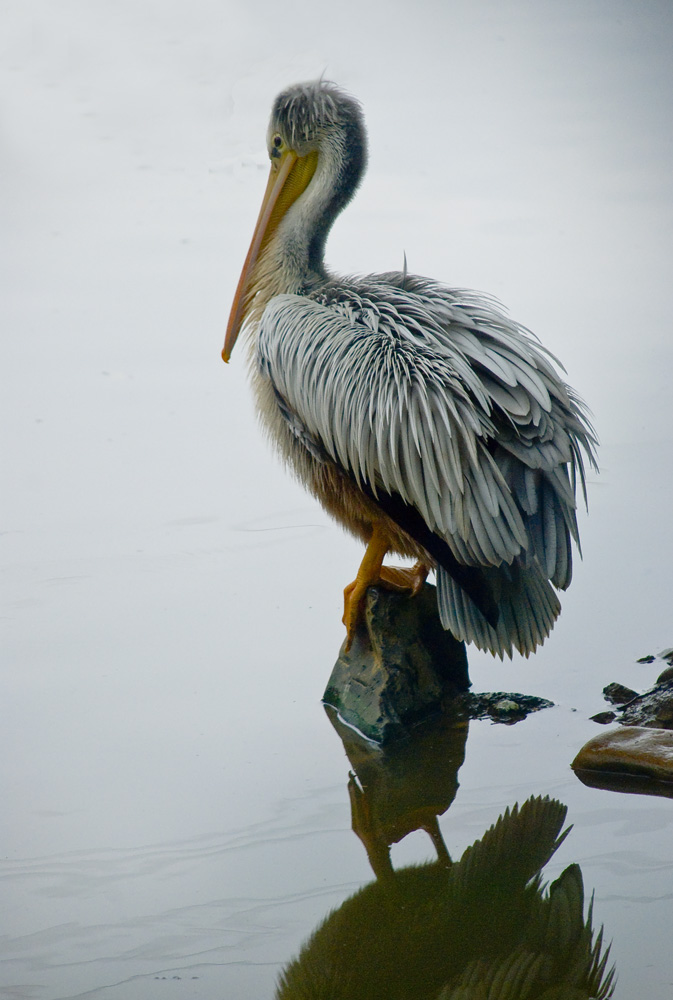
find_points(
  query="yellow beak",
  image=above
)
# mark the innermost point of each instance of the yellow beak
(289, 177)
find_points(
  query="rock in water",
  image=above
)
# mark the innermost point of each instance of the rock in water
(400, 668)
(626, 759)
(653, 708)
(619, 694)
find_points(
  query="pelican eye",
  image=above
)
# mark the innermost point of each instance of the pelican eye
(276, 146)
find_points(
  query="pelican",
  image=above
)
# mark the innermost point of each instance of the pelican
(422, 418)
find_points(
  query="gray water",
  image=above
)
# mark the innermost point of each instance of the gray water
(175, 819)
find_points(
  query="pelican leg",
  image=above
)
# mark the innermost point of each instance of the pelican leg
(369, 832)
(405, 579)
(368, 575)
(432, 828)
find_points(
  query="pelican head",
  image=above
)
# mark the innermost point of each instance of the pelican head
(317, 146)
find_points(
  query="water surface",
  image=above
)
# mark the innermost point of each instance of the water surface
(175, 816)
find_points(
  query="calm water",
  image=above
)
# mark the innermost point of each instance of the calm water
(176, 817)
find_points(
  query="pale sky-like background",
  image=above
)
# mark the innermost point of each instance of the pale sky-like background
(173, 797)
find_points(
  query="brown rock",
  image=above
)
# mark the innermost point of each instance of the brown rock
(632, 750)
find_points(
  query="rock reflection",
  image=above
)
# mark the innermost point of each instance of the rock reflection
(404, 785)
(482, 928)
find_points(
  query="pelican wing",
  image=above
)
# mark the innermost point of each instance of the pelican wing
(442, 402)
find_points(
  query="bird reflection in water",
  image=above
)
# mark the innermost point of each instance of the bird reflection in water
(403, 785)
(482, 928)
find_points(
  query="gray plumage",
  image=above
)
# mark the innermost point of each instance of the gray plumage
(411, 390)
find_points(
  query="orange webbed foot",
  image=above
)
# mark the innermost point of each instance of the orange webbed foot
(372, 572)
(404, 579)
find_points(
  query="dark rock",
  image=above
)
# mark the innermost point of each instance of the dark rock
(400, 668)
(665, 675)
(603, 718)
(653, 709)
(502, 707)
(618, 694)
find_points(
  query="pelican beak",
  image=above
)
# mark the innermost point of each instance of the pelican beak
(289, 177)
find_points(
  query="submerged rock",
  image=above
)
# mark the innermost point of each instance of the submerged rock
(502, 706)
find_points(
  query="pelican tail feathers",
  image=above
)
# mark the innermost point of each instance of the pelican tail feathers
(527, 604)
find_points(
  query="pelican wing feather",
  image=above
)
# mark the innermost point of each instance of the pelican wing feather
(436, 396)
